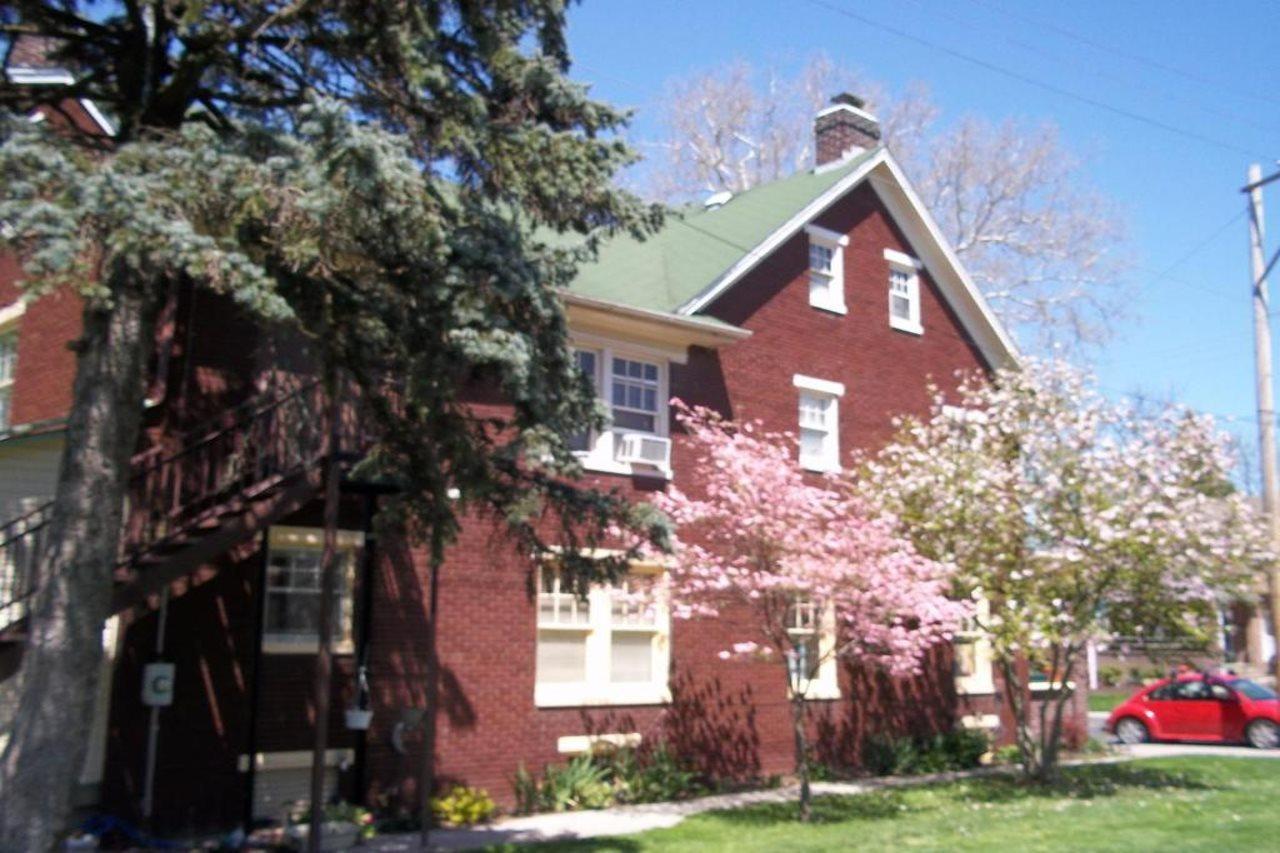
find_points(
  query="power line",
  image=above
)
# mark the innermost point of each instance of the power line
(1132, 57)
(1032, 81)
(1109, 77)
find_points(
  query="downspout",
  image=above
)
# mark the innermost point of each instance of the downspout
(368, 561)
(153, 726)
(255, 686)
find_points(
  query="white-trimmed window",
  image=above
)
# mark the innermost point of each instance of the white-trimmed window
(973, 659)
(819, 422)
(610, 647)
(633, 384)
(904, 292)
(292, 595)
(811, 661)
(826, 269)
(8, 368)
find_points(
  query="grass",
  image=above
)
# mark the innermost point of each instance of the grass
(1107, 699)
(1194, 803)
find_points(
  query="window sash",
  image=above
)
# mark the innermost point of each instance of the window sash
(904, 295)
(8, 357)
(821, 259)
(634, 394)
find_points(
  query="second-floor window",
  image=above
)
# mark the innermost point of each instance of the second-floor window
(8, 367)
(819, 422)
(634, 387)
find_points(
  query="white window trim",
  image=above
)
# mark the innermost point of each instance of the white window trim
(597, 690)
(982, 681)
(601, 457)
(9, 317)
(827, 683)
(834, 391)
(912, 266)
(312, 539)
(836, 242)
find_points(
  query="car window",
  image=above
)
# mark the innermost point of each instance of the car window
(1163, 692)
(1221, 691)
(1253, 689)
(1195, 689)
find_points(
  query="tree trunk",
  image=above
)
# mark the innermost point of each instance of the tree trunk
(430, 719)
(1015, 690)
(42, 762)
(798, 719)
(328, 589)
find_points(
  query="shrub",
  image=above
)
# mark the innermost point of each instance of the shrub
(959, 749)
(600, 780)
(1112, 675)
(654, 776)
(1009, 754)
(463, 806)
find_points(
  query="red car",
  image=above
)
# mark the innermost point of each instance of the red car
(1223, 709)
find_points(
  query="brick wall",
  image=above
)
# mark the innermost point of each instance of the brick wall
(46, 364)
(732, 718)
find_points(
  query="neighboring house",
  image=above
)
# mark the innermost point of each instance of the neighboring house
(823, 303)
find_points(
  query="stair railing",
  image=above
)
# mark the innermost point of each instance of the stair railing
(177, 487)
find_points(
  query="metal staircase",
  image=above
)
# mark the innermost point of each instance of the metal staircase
(195, 496)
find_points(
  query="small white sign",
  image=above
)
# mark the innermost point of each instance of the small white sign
(157, 685)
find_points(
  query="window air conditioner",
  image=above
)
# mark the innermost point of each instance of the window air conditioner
(652, 450)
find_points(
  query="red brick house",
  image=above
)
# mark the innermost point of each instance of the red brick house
(822, 303)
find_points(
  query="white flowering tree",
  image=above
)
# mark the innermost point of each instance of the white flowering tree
(1076, 518)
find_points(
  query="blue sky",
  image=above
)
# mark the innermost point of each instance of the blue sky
(1190, 337)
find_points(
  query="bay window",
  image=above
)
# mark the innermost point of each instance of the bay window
(609, 647)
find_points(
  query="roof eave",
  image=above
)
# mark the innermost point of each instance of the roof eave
(671, 330)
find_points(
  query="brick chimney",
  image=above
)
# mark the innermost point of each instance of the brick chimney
(843, 129)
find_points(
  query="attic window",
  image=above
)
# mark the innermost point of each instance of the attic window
(826, 269)
(904, 292)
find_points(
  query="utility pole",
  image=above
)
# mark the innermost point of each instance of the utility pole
(1266, 397)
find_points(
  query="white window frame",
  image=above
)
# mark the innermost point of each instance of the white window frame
(311, 539)
(9, 316)
(601, 451)
(831, 298)
(901, 263)
(831, 392)
(805, 621)
(981, 681)
(596, 688)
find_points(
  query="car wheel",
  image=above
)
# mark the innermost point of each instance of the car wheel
(1131, 731)
(1263, 734)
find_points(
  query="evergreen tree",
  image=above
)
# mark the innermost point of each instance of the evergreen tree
(408, 183)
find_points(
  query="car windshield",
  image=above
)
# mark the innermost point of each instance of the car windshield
(1252, 689)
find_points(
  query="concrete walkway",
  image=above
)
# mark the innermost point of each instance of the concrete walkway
(628, 820)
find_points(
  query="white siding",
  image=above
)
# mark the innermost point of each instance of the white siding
(28, 473)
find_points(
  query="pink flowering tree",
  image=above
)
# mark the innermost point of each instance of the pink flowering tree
(1076, 518)
(808, 567)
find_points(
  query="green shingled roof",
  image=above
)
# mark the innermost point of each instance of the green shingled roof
(694, 248)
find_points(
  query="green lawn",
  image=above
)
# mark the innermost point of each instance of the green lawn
(1200, 803)
(1107, 699)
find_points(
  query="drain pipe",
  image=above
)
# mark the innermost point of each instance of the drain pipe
(153, 731)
